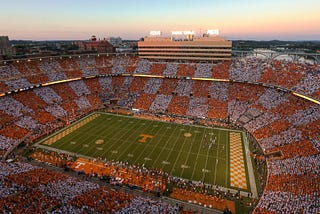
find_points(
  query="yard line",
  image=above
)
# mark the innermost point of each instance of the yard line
(170, 151)
(195, 166)
(111, 138)
(84, 138)
(155, 146)
(177, 158)
(145, 146)
(89, 138)
(97, 132)
(189, 152)
(205, 166)
(71, 126)
(217, 159)
(165, 146)
(132, 133)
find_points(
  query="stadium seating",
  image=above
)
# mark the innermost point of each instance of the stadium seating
(280, 122)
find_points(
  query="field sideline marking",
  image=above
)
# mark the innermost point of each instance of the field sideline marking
(70, 129)
(161, 147)
(64, 128)
(225, 189)
(252, 180)
(206, 127)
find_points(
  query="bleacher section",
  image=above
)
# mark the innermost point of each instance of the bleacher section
(256, 96)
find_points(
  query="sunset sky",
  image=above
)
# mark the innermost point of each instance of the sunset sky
(236, 19)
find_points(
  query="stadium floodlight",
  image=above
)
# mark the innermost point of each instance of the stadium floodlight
(176, 32)
(188, 32)
(155, 33)
(213, 32)
(185, 32)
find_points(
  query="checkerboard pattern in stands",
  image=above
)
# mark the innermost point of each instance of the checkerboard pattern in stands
(70, 129)
(237, 167)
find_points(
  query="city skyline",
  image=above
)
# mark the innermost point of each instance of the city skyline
(78, 20)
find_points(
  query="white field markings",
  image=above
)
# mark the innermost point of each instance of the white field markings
(130, 142)
(189, 152)
(179, 153)
(175, 142)
(117, 146)
(196, 161)
(249, 166)
(96, 133)
(90, 138)
(147, 146)
(132, 130)
(62, 151)
(158, 141)
(164, 149)
(166, 122)
(216, 128)
(79, 144)
(217, 158)
(113, 139)
(99, 133)
(205, 166)
(69, 129)
(76, 126)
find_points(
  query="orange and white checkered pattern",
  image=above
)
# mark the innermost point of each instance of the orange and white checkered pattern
(69, 130)
(237, 167)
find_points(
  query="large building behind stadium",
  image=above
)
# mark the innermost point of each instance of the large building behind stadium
(259, 116)
(184, 45)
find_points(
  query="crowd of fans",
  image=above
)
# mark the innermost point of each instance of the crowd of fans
(146, 205)
(279, 120)
(284, 195)
(30, 189)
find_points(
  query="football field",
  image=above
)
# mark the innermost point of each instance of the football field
(186, 151)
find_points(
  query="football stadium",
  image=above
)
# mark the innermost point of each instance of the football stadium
(193, 129)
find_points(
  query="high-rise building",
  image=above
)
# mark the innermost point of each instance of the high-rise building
(5, 46)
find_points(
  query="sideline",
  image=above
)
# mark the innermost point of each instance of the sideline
(252, 180)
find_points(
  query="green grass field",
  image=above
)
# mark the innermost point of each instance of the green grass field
(187, 157)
